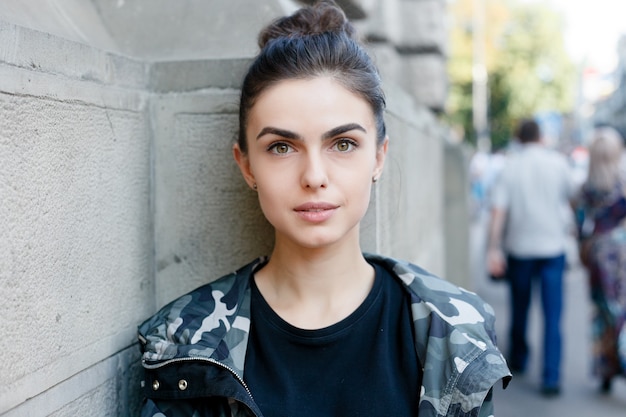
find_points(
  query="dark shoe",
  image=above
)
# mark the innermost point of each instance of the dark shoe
(550, 392)
(605, 388)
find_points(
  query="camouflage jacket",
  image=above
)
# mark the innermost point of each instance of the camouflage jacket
(194, 348)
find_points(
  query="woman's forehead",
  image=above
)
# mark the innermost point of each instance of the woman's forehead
(308, 98)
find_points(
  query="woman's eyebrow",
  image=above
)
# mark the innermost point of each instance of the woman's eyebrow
(343, 129)
(287, 134)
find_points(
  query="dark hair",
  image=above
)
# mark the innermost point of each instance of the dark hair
(315, 41)
(528, 131)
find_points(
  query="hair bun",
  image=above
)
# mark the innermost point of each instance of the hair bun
(311, 20)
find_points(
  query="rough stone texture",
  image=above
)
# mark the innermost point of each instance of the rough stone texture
(118, 191)
(411, 40)
(108, 388)
(75, 267)
(383, 22)
(411, 200)
(207, 220)
(422, 24)
(421, 77)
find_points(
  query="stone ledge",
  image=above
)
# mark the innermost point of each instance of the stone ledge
(50, 385)
(93, 378)
(44, 53)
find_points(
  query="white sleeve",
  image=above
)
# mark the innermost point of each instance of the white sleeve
(499, 194)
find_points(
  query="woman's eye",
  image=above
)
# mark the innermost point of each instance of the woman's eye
(345, 145)
(279, 148)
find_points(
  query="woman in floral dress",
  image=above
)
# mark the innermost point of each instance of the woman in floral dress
(602, 205)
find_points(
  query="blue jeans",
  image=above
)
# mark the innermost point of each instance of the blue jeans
(520, 273)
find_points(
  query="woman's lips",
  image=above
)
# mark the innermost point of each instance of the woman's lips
(315, 212)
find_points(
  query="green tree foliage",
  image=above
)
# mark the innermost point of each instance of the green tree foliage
(528, 68)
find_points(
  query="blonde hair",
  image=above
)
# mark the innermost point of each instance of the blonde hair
(605, 156)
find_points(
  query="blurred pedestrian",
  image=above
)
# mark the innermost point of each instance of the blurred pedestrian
(527, 241)
(602, 244)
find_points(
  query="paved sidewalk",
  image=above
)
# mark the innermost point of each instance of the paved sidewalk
(580, 396)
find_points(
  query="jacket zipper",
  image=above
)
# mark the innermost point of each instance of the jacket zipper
(196, 358)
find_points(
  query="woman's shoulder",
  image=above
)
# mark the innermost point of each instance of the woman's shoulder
(218, 302)
(434, 298)
(448, 318)
(424, 285)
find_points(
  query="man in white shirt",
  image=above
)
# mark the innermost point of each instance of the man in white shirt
(527, 242)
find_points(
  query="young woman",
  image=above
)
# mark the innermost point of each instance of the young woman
(603, 251)
(318, 328)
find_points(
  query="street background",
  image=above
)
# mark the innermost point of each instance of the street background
(580, 395)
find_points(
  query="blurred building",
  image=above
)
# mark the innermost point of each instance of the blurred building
(609, 94)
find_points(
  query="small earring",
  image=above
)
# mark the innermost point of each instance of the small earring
(254, 186)
(374, 179)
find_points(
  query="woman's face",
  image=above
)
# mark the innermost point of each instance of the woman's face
(312, 154)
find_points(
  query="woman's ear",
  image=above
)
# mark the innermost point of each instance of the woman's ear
(381, 153)
(244, 165)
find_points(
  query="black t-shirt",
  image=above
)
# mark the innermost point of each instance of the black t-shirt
(365, 365)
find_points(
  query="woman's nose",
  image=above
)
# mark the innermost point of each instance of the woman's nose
(314, 173)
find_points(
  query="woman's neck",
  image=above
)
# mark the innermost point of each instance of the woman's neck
(315, 288)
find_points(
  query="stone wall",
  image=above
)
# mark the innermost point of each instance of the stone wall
(118, 192)
(76, 263)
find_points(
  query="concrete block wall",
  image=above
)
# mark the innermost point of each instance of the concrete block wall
(75, 225)
(118, 193)
(207, 221)
(410, 201)
(417, 32)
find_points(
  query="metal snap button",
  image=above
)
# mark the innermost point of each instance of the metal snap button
(182, 385)
(155, 385)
